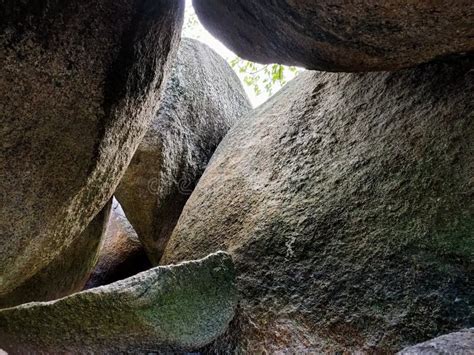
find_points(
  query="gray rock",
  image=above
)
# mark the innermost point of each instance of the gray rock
(122, 254)
(68, 272)
(79, 82)
(341, 35)
(346, 201)
(458, 343)
(203, 98)
(173, 308)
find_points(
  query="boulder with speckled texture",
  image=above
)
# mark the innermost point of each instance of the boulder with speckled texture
(341, 35)
(79, 82)
(203, 98)
(346, 201)
(459, 343)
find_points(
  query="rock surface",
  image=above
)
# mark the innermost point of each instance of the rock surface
(203, 98)
(68, 272)
(121, 255)
(173, 308)
(459, 343)
(79, 82)
(340, 36)
(346, 201)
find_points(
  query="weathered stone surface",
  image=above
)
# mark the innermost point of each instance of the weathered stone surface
(79, 82)
(203, 98)
(346, 201)
(121, 255)
(179, 307)
(341, 35)
(459, 343)
(68, 272)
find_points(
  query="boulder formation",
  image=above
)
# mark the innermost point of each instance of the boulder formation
(121, 255)
(79, 82)
(341, 35)
(68, 272)
(346, 202)
(174, 308)
(460, 343)
(203, 98)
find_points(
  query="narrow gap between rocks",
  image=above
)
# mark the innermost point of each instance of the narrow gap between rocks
(260, 81)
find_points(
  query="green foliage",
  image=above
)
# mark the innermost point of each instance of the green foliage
(262, 77)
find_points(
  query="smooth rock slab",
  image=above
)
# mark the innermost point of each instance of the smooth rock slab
(335, 35)
(179, 307)
(346, 202)
(457, 343)
(79, 83)
(202, 100)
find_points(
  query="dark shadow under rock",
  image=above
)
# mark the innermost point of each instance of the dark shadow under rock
(122, 255)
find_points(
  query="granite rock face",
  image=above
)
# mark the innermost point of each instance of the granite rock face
(68, 272)
(346, 201)
(341, 35)
(459, 343)
(79, 82)
(122, 254)
(175, 308)
(203, 98)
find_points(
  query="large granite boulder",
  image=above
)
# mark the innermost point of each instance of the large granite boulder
(121, 255)
(457, 343)
(341, 35)
(346, 201)
(175, 308)
(79, 81)
(203, 98)
(68, 272)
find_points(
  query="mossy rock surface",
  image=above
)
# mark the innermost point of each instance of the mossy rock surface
(171, 308)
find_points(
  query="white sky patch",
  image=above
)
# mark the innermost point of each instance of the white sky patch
(195, 30)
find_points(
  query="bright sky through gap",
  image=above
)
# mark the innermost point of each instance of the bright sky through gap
(194, 29)
(200, 33)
